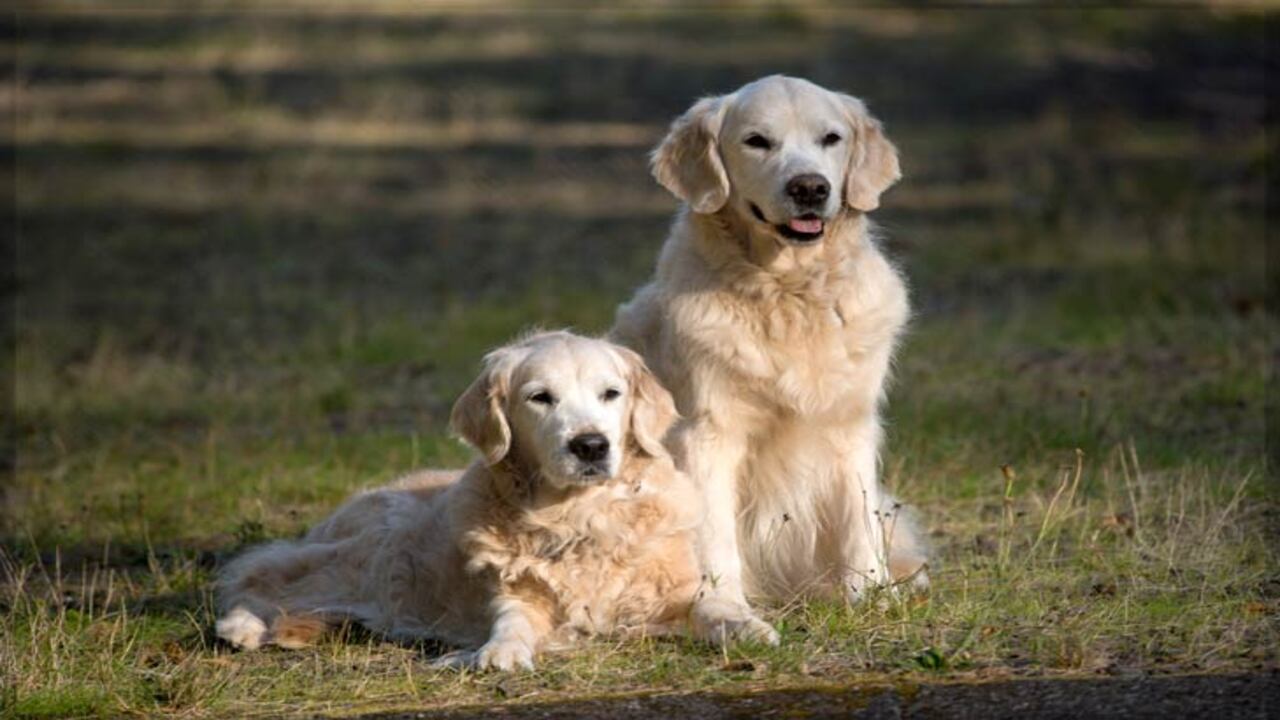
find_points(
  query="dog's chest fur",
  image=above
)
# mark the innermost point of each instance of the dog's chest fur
(809, 340)
(605, 563)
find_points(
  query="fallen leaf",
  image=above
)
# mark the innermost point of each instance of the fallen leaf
(1119, 522)
(1258, 608)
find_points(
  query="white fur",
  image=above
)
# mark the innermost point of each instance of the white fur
(242, 628)
(778, 351)
(578, 405)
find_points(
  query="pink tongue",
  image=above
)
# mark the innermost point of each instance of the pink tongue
(809, 227)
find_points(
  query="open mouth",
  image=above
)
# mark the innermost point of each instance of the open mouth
(801, 229)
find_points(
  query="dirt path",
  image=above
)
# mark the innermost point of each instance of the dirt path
(1216, 696)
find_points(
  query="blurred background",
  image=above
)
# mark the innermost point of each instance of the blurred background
(260, 250)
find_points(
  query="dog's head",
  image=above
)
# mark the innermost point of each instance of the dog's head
(570, 407)
(781, 152)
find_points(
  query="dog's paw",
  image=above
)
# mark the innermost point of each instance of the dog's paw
(862, 588)
(724, 621)
(505, 656)
(242, 629)
(456, 660)
(495, 655)
(912, 579)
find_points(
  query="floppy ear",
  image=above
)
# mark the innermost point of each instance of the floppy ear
(687, 161)
(873, 160)
(653, 411)
(478, 415)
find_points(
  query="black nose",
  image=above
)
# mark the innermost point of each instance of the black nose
(590, 447)
(808, 189)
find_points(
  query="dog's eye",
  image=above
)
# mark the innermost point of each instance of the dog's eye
(542, 398)
(611, 394)
(831, 139)
(756, 140)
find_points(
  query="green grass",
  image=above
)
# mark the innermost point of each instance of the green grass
(1092, 582)
(253, 279)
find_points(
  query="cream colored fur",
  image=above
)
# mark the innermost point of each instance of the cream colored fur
(777, 351)
(523, 552)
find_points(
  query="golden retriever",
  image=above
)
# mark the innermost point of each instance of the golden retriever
(772, 317)
(574, 522)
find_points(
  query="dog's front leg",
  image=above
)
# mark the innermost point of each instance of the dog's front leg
(519, 626)
(865, 556)
(713, 457)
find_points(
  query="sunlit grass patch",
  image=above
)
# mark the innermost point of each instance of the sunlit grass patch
(1112, 570)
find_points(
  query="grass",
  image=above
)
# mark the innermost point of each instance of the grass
(1117, 580)
(252, 279)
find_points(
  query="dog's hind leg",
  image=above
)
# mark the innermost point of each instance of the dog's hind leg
(298, 631)
(908, 555)
(243, 628)
(286, 593)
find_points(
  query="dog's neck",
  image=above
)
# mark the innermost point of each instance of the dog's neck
(519, 483)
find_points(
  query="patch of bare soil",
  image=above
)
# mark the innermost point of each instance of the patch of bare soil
(1216, 696)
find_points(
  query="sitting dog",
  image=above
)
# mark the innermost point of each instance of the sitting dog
(772, 317)
(574, 522)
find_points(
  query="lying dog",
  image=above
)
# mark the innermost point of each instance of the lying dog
(575, 522)
(772, 318)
